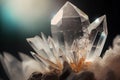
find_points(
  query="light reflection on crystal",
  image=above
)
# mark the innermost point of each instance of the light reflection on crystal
(98, 34)
(68, 24)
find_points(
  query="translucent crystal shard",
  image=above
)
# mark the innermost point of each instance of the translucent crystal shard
(68, 24)
(12, 66)
(98, 34)
(26, 65)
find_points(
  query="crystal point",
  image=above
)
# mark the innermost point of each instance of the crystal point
(68, 24)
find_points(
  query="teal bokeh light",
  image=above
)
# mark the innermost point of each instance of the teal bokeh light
(29, 19)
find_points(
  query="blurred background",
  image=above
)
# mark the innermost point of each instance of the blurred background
(21, 19)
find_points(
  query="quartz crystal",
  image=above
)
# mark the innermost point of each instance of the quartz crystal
(74, 40)
(97, 36)
(69, 24)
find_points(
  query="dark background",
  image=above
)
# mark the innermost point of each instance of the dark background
(12, 41)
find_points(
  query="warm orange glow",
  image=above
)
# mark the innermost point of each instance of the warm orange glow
(80, 66)
(60, 65)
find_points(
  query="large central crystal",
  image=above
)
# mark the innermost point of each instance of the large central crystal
(74, 40)
(69, 24)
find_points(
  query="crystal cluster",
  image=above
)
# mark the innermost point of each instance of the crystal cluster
(74, 40)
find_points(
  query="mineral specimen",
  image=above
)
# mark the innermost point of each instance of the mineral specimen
(73, 40)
